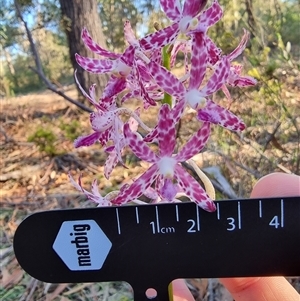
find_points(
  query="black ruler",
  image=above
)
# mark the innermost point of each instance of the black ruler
(150, 245)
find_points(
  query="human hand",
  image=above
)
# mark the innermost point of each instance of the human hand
(256, 288)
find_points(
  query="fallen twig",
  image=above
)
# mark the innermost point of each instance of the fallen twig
(226, 188)
(23, 172)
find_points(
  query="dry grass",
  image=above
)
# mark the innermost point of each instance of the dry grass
(33, 181)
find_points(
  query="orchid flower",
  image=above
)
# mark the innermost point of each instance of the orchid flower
(120, 66)
(186, 20)
(234, 77)
(166, 167)
(117, 64)
(114, 152)
(106, 122)
(195, 98)
(94, 195)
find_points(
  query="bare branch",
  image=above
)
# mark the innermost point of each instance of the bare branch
(39, 68)
(53, 88)
(30, 38)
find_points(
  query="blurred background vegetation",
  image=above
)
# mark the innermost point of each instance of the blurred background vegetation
(274, 27)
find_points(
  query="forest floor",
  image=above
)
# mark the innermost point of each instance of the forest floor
(34, 179)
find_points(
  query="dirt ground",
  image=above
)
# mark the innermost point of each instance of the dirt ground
(32, 180)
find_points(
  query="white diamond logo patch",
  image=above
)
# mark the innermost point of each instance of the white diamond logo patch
(82, 245)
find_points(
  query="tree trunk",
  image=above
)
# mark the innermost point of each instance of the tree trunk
(251, 19)
(11, 67)
(77, 14)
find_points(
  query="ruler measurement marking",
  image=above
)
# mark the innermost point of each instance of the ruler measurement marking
(157, 219)
(239, 215)
(262, 232)
(118, 221)
(177, 213)
(282, 213)
(260, 209)
(218, 211)
(198, 218)
(137, 215)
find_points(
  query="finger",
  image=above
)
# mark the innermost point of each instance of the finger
(277, 184)
(267, 288)
(260, 289)
(180, 291)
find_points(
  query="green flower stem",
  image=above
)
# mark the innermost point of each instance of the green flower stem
(166, 57)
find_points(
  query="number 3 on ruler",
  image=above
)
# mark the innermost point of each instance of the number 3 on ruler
(231, 224)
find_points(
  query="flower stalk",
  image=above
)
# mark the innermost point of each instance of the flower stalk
(166, 55)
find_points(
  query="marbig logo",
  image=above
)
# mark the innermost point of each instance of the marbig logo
(82, 245)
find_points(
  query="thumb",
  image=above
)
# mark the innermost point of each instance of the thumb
(277, 184)
(267, 288)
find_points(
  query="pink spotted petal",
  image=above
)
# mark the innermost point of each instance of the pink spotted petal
(129, 193)
(114, 86)
(244, 81)
(209, 17)
(193, 189)
(93, 196)
(172, 9)
(105, 136)
(87, 140)
(118, 139)
(195, 144)
(143, 71)
(152, 136)
(159, 183)
(240, 48)
(129, 34)
(95, 65)
(151, 193)
(109, 149)
(115, 156)
(156, 56)
(177, 111)
(241, 81)
(218, 78)
(110, 163)
(131, 94)
(94, 47)
(166, 132)
(235, 79)
(148, 101)
(98, 198)
(193, 7)
(138, 146)
(166, 80)
(160, 38)
(214, 52)
(102, 201)
(92, 91)
(90, 97)
(128, 56)
(133, 124)
(218, 115)
(198, 60)
(226, 92)
(102, 120)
